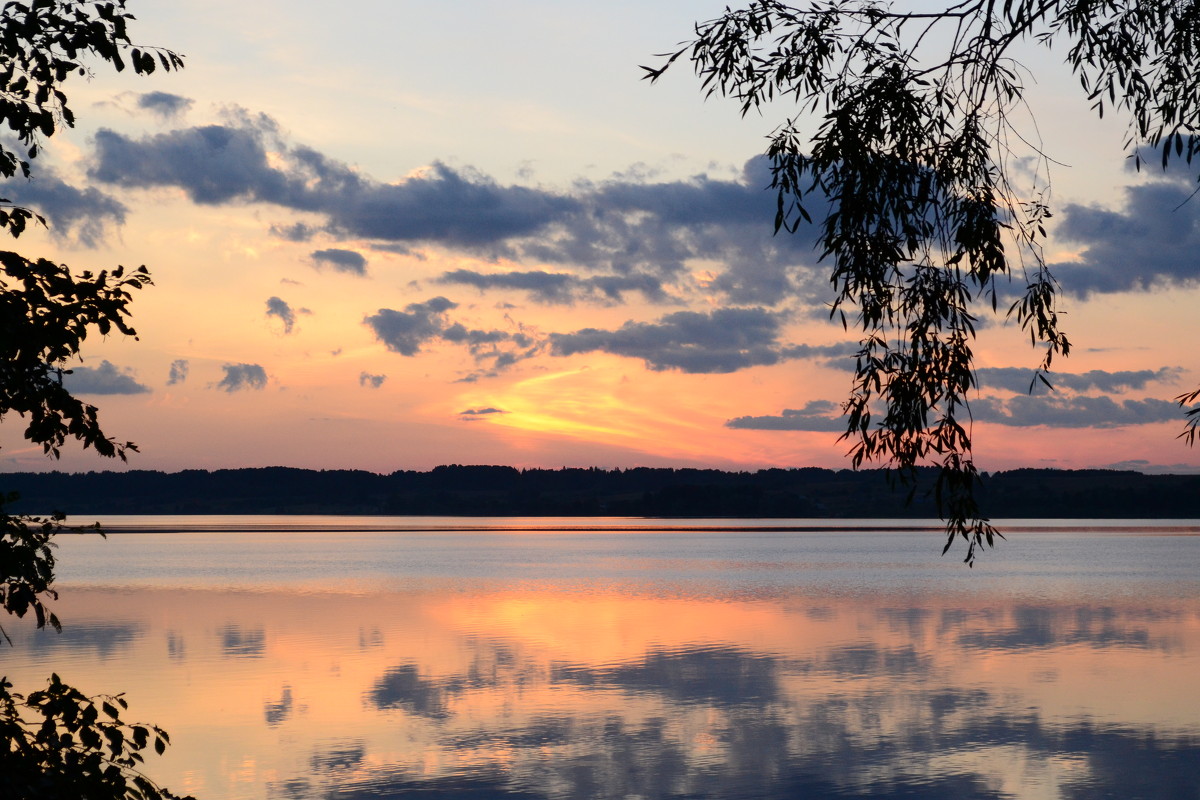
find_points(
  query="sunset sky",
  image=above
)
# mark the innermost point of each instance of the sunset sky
(410, 234)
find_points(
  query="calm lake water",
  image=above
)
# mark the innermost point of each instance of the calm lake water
(310, 657)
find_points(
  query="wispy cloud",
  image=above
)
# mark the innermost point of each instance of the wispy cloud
(281, 310)
(1017, 380)
(84, 216)
(817, 415)
(721, 340)
(178, 372)
(1073, 412)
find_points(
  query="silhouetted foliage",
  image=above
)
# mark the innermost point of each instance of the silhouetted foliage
(904, 122)
(46, 314)
(57, 742)
(809, 492)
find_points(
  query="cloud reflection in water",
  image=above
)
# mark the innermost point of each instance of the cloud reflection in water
(535, 692)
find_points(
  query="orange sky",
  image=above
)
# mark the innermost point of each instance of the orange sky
(298, 212)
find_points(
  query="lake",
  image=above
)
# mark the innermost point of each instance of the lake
(347, 657)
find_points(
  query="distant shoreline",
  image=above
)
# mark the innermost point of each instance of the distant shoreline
(807, 493)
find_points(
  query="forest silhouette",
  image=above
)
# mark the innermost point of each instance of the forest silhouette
(809, 492)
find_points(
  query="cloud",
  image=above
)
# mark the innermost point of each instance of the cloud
(480, 412)
(1149, 243)
(1147, 468)
(1020, 411)
(347, 261)
(80, 215)
(226, 163)
(1073, 412)
(406, 332)
(296, 232)
(164, 104)
(241, 376)
(628, 233)
(277, 307)
(722, 340)
(818, 415)
(1017, 380)
(561, 287)
(633, 226)
(104, 379)
(178, 373)
(371, 381)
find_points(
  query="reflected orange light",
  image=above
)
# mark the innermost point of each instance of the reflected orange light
(507, 661)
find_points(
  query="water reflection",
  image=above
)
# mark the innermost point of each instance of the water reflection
(277, 712)
(537, 693)
(101, 639)
(239, 642)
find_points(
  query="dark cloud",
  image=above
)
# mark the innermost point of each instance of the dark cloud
(242, 376)
(80, 215)
(371, 381)
(723, 340)
(164, 104)
(224, 163)
(634, 227)
(1054, 410)
(104, 379)
(562, 287)
(1017, 380)
(478, 412)
(280, 309)
(1073, 412)
(405, 332)
(213, 164)
(635, 234)
(178, 373)
(347, 261)
(463, 208)
(818, 415)
(1150, 243)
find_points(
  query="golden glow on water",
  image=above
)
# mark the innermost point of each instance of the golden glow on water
(377, 690)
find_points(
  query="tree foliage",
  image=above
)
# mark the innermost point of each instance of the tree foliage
(42, 44)
(58, 742)
(907, 123)
(46, 313)
(62, 743)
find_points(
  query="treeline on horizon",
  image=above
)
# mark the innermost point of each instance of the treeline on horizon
(642, 491)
